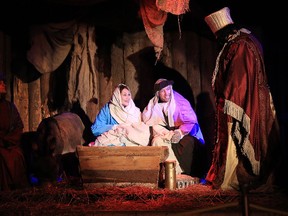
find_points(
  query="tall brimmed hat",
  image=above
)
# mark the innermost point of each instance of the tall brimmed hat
(219, 19)
(162, 83)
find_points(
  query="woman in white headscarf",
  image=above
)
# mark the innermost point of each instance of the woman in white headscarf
(119, 121)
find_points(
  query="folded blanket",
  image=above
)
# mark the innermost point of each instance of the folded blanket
(134, 134)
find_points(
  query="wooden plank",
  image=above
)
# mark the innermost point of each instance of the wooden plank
(117, 62)
(21, 101)
(44, 85)
(178, 54)
(137, 76)
(139, 176)
(35, 116)
(193, 59)
(131, 45)
(106, 86)
(120, 150)
(120, 162)
(119, 184)
(167, 49)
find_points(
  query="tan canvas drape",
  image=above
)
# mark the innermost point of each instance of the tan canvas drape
(50, 45)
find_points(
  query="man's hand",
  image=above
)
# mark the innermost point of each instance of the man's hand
(176, 137)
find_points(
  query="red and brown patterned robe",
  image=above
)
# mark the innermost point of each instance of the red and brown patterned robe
(246, 125)
(12, 162)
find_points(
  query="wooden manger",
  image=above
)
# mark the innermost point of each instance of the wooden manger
(121, 166)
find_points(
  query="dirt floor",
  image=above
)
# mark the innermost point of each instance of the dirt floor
(196, 199)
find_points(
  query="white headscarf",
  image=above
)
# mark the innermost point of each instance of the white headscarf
(121, 114)
(153, 113)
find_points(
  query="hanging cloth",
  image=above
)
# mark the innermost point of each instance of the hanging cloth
(154, 15)
(176, 7)
(153, 21)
